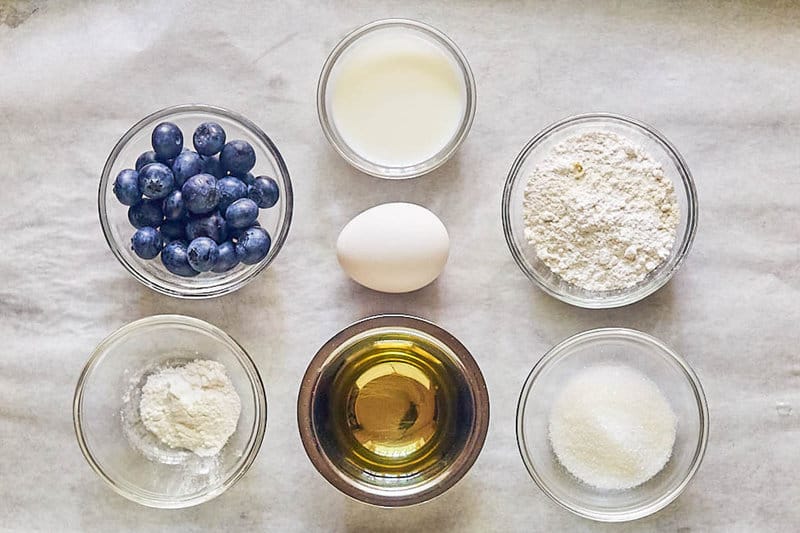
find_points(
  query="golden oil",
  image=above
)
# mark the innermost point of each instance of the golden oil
(393, 405)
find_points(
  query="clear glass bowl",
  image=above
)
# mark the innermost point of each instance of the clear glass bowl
(666, 369)
(378, 487)
(361, 162)
(114, 216)
(537, 148)
(118, 447)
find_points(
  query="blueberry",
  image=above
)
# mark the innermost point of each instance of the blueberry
(213, 226)
(167, 140)
(126, 187)
(209, 138)
(241, 213)
(227, 257)
(146, 242)
(156, 180)
(145, 213)
(230, 190)
(174, 207)
(248, 178)
(173, 230)
(145, 159)
(212, 166)
(253, 245)
(238, 157)
(174, 257)
(202, 253)
(200, 193)
(186, 165)
(264, 192)
(236, 234)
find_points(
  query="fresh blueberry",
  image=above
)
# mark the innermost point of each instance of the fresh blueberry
(236, 234)
(145, 159)
(209, 138)
(264, 192)
(174, 257)
(248, 178)
(174, 208)
(242, 213)
(213, 226)
(200, 193)
(147, 242)
(167, 140)
(145, 213)
(253, 245)
(227, 257)
(126, 187)
(230, 190)
(211, 165)
(173, 230)
(203, 253)
(238, 157)
(186, 165)
(156, 180)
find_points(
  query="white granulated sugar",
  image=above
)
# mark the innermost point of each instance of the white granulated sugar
(600, 211)
(193, 406)
(612, 428)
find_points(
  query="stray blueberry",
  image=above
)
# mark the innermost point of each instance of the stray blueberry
(238, 158)
(264, 192)
(174, 257)
(213, 226)
(174, 208)
(167, 140)
(173, 230)
(186, 165)
(200, 193)
(145, 159)
(211, 165)
(126, 187)
(227, 257)
(145, 213)
(230, 190)
(146, 242)
(156, 180)
(202, 253)
(253, 245)
(242, 213)
(209, 138)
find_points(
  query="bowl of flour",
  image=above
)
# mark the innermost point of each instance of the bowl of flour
(170, 411)
(599, 210)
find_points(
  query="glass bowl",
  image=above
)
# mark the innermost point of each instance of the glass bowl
(462, 438)
(360, 161)
(114, 216)
(537, 148)
(666, 369)
(132, 461)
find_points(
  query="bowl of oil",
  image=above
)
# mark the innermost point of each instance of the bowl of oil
(393, 410)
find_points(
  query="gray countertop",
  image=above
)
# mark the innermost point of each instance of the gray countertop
(721, 81)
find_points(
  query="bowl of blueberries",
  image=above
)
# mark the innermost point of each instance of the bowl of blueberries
(195, 201)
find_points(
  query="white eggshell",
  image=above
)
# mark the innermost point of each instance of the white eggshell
(396, 247)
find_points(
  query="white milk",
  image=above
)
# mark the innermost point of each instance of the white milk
(396, 98)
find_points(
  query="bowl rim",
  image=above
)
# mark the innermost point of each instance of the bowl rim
(684, 242)
(360, 162)
(599, 334)
(254, 442)
(450, 475)
(222, 288)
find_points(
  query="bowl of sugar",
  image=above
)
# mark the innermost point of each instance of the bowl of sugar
(612, 424)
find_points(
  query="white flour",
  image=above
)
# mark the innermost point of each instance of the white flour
(600, 212)
(193, 406)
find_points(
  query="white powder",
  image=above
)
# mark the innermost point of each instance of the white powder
(612, 428)
(600, 212)
(193, 406)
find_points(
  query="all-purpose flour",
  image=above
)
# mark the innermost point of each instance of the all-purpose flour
(193, 406)
(600, 211)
